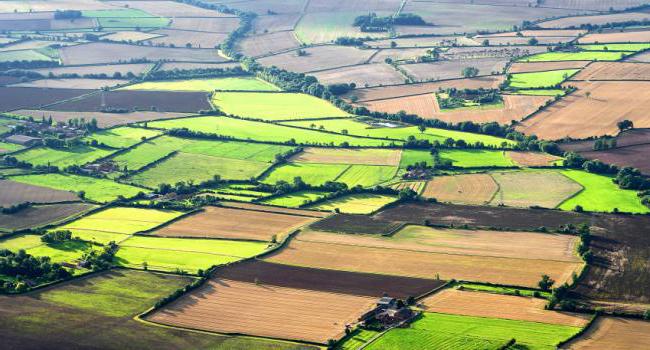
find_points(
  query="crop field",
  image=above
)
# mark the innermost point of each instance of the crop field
(616, 47)
(632, 156)
(464, 189)
(406, 255)
(88, 84)
(356, 203)
(444, 331)
(569, 22)
(551, 188)
(41, 215)
(533, 159)
(304, 314)
(20, 98)
(367, 175)
(614, 71)
(616, 37)
(318, 58)
(526, 67)
(608, 103)
(601, 194)
(108, 69)
(266, 44)
(252, 130)
(121, 137)
(182, 38)
(470, 158)
(356, 224)
(311, 173)
(452, 69)
(95, 189)
(218, 222)
(170, 9)
(235, 83)
(13, 192)
(416, 186)
(161, 101)
(576, 56)
(535, 80)
(275, 106)
(613, 333)
(62, 158)
(99, 53)
(295, 199)
(104, 120)
(69, 251)
(365, 75)
(128, 36)
(322, 27)
(116, 224)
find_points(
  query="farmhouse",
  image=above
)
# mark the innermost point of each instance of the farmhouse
(23, 140)
(388, 311)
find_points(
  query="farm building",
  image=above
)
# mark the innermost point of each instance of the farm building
(23, 140)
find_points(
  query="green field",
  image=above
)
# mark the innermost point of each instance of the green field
(551, 188)
(196, 168)
(357, 339)
(228, 84)
(69, 251)
(412, 156)
(502, 290)
(536, 80)
(324, 27)
(275, 106)
(311, 173)
(62, 158)
(615, 47)
(444, 331)
(358, 128)
(364, 203)
(170, 254)
(294, 200)
(96, 189)
(576, 56)
(23, 55)
(601, 194)
(148, 152)
(251, 130)
(126, 19)
(9, 147)
(121, 137)
(367, 175)
(115, 224)
(476, 158)
(246, 191)
(117, 13)
(540, 92)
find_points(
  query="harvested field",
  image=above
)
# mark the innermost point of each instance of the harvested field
(326, 280)
(304, 315)
(614, 71)
(577, 21)
(609, 103)
(318, 58)
(277, 6)
(453, 69)
(526, 67)
(537, 33)
(399, 54)
(613, 333)
(616, 37)
(629, 156)
(257, 207)
(267, 44)
(457, 302)
(365, 75)
(195, 65)
(104, 120)
(422, 42)
(181, 38)
(345, 223)
(97, 53)
(218, 27)
(603, 5)
(130, 36)
(169, 8)
(386, 92)
(550, 189)
(643, 57)
(374, 256)
(275, 23)
(356, 203)
(17, 98)
(12, 193)
(85, 84)
(217, 222)
(108, 69)
(466, 189)
(532, 159)
(325, 27)
(516, 107)
(163, 101)
(349, 156)
(416, 186)
(38, 216)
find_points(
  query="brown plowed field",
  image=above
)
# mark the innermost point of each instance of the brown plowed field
(12, 193)
(81, 83)
(349, 223)
(17, 98)
(614, 333)
(318, 58)
(456, 302)
(227, 306)
(354, 283)
(467, 189)
(516, 107)
(375, 255)
(163, 101)
(580, 117)
(617, 37)
(532, 158)
(632, 137)
(289, 211)
(375, 74)
(349, 156)
(523, 189)
(97, 53)
(614, 71)
(576, 21)
(630, 156)
(264, 44)
(452, 69)
(38, 216)
(523, 67)
(104, 120)
(386, 92)
(233, 223)
(180, 38)
(108, 69)
(169, 8)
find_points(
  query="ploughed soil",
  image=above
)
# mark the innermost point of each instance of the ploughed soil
(161, 101)
(348, 223)
(19, 97)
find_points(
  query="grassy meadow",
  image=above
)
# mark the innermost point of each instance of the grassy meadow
(476, 158)
(536, 80)
(62, 158)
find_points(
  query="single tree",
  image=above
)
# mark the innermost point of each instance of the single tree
(625, 124)
(545, 283)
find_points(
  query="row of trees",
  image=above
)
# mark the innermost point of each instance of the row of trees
(27, 270)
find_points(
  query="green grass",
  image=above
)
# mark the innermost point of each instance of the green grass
(169, 260)
(616, 47)
(296, 199)
(540, 92)
(367, 175)
(60, 252)
(311, 173)
(324, 27)
(601, 194)
(232, 84)
(238, 249)
(355, 127)
(196, 168)
(240, 190)
(275, 106)
(62, 158)
(121, 137)
(476, 158)
(251, 130)
(444, 331)
(503, 290)
(411, 156)
(9, 147)
(546, 79)
(96, 189)
(364, 203)
(576, 56)
(358, 338)
(23, 55)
